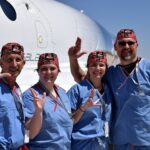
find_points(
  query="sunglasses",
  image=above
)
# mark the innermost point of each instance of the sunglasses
(123, 43)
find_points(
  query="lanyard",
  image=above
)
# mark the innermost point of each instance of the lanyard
(16, 92)
(135, 70)
(135, 81)
(53, 98)
(55, 101)
(98, 93)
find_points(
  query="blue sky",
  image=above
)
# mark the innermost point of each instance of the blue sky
(117, 14)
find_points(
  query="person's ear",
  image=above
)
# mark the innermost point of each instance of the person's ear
(1, 63)
(115, 46)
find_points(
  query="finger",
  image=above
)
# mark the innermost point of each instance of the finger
(4, 75)
(78, 41)
(91, 93)
(78, 44)
(34, 93)
(82, 53)
(44, 96)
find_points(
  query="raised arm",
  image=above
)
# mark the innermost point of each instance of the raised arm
(74, 53)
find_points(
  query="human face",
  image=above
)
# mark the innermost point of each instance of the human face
(126, 49)
(13, 64)
(48, 73)
(96, 70)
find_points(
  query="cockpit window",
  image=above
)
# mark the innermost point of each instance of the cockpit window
(8, 10)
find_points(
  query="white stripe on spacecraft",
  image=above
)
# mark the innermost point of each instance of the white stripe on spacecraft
(49, 26)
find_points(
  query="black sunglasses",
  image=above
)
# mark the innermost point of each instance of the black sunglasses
(123, 43)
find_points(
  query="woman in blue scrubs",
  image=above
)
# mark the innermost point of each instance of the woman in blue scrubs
(47, 109)
(89, 106)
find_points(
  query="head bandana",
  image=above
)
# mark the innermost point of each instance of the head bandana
(48, 58)
(126, 33)
(12, 48)
(97, 56)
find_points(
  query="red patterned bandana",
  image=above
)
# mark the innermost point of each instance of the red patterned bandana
(12, 48)
(97, 56)
(126, 33)
(48, 58)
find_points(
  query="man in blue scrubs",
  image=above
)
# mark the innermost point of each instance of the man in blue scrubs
(129, 82)
(130, 85)
(11, 109)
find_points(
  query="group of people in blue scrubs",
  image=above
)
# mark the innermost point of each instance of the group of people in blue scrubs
(129, 90)
(44, 109)
(77, 120)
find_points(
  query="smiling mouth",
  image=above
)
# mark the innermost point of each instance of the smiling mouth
(13, 70)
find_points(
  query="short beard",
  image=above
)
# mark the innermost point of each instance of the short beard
(127, 58)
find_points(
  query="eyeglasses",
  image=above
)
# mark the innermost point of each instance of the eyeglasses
(123, 43)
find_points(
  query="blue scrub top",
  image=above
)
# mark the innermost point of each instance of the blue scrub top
(91, 124)
(130, 104)
(57, 125)
(11, 126)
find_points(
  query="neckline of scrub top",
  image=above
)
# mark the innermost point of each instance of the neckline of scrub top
(98, 93)
(53, 98)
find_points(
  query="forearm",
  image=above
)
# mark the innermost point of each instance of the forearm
(35, 124)
(78, 114)
(76, 71)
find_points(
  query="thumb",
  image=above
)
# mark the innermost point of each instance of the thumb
(44, 95)
(91, 93)
(82, 53)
